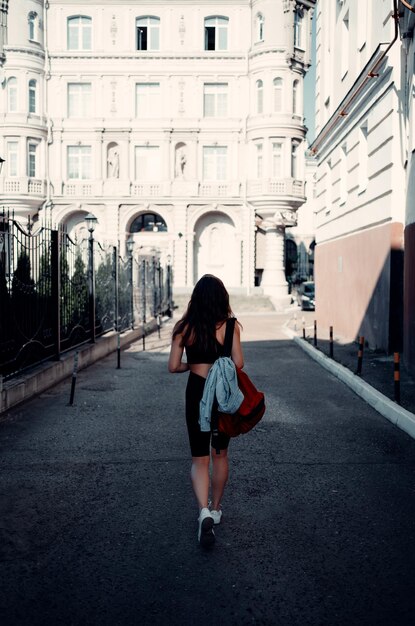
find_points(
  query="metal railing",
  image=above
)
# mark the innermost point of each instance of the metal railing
(57, 293)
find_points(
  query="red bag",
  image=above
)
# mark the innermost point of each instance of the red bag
(253, 405)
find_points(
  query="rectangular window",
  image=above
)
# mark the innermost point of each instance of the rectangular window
(363, 158)
(147, 163)
(31, 160)
(12, 157)
(259, 160)
(79, 162)
(79, 99)
(215, 99)
(277, 160)
(147, 100)
(298, 30)
(294, 159)
(214, 162)
(344, 46)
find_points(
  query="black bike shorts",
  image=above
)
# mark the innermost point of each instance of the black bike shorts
(199, 441)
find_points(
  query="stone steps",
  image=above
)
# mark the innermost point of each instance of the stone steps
(239, 303)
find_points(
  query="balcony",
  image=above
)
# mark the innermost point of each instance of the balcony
(14, 186)
(146, 189)
(270, 190)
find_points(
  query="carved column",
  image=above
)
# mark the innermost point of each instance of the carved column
(273, 278)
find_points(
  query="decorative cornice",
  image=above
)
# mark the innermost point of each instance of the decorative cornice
(142, 57)
(30, 51)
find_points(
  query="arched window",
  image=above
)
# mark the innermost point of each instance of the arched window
(148, 32)
(277, 95)
(148, 222)
(260, 27)
(33, 22)
(216, 33)
(79, 33)
(32, 96)
(259, 96)
(296, 84)
(12, 94)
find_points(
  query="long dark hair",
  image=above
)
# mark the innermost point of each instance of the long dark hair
(208, 307)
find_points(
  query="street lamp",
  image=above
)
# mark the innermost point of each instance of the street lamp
(91, 222)
(130, 250)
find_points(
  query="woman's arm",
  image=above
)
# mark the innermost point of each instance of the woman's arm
(237, 354)
(175, 359)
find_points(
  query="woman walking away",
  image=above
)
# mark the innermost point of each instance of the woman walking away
(201, 333)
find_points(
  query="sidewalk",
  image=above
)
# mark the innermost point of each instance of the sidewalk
(377, 369)
(98, 519)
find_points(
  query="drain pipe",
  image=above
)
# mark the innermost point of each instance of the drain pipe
(371, 74)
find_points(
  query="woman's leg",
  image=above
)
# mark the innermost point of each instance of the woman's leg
(220, 474)
(200, 479)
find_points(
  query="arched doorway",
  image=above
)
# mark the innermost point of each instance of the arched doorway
(216, 249)
(291, 263)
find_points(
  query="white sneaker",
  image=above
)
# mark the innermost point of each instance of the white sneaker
(205, 535)
(216, 516)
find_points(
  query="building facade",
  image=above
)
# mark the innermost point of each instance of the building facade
(179, 123)
(407, 32)
(361, 154)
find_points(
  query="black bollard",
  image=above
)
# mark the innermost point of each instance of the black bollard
(397, 377)
(315, 333)
(331, 342)
(360, 356)
(303, 327)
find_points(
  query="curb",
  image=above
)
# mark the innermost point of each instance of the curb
(400, 417)
(44, 376)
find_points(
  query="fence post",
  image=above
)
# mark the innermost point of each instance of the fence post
(169, 298)
(91, 285)
(56, 291)
(144, 301)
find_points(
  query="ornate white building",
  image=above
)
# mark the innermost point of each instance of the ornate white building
(178, 122)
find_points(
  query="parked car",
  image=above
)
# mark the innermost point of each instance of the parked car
(306, 295)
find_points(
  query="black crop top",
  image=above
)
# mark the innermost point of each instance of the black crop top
(195, 356)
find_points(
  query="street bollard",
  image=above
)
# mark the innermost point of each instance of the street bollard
(74, 374)
(303, 322)
(360, 356)
(159, 325)
(295, 322)
(397, 377)
(331, 342)
(315, 333)
(118, 351)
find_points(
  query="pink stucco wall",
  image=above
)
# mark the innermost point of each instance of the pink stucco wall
(352, 276)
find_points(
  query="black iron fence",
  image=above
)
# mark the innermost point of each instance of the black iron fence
(57, 293)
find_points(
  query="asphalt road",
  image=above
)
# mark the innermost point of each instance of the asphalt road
(98, 520)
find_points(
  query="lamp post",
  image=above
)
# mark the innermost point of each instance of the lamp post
(130, 250)
(91, 222)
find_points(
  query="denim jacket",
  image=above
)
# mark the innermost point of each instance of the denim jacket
(221, 383)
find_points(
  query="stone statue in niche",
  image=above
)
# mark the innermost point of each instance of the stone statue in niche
(113, 163)
(181, 161)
